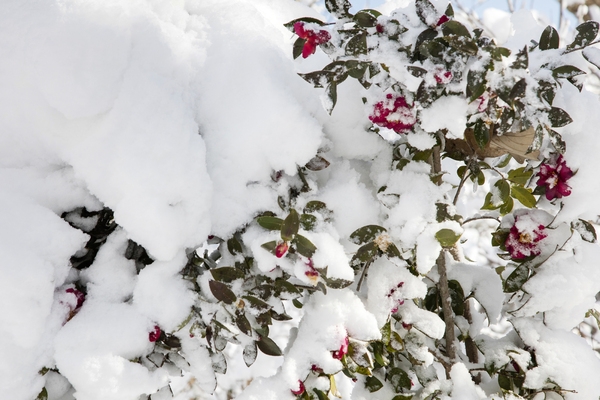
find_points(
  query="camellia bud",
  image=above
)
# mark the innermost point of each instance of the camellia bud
(300, 390)
(155, 334)
(281, 249)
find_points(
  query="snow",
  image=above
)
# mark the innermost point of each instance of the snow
(448, 112)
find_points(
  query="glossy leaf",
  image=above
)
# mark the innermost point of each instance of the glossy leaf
(475, 84)
(290, 226)
(268, 346)
(549, 39)
(559, 117)
(270, 223)
(222, 292)
(226, 274)
(308, 222)
(447, 237)
(357, 45)
(524, 196)
(516, 279)
(304, 246)
(234, 246)
(481, 132)
(520, 176)
(372, 384)
(367, 18)
(586, 33)
(298, 47)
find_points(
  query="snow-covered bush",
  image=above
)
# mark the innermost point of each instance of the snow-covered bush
(177, 201)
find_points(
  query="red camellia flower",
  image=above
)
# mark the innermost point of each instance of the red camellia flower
(300, 390)
(313, 38)
(394, 113)
(443, 18)
(442, 76)
(281, 249)
(339, 354)
(524, 238)
(155, 334)
(554, 176)
(79, 295)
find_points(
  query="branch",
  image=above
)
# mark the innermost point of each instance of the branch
(446, 307)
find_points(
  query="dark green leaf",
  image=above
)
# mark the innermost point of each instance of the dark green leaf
(373, 384)
(546, 91)
(499, 237)
(356, 69)
(321, 395)
(475, 84)
(426, 95)
(366, 234)
(516, 279)
(503, 188)
(318, 79)
(432, 299)
(226, 274)
(403, 397)
(522, 61)
(335, 283)
(585, 229)
(449, 11)
(549, 39)
(234, 246)
(270, 246)
(399, 379)
(290, 226)
(43, 395)
(457, 297)
(455, 28)
(462, 44)
(314, 205)
(298, 46)
(256, 303)
(339, 8)
(416, 71)
(435, 49)
(481, 131)
(507, 206)
(297, 303)
(519, 89)
(280, 317)
(366, 18)
(499, 52)
(566, 71)
(365, 254)
(308, 221)
(243, 324)
(506, 121)
(559, 117)
(250, 354)
(357, 45)
(304, 246)
(447, 237)
(270, 223)
(426, 12)
(268, 346)
(504, 382)
(331, 91)
(222, 292)
(557, 141)
(586, 33)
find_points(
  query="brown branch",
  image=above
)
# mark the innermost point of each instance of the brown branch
(446, 307)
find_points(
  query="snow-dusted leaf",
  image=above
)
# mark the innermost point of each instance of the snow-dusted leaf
(372, 384)
(366, 234)
(585, 229)
(447, 237)
(339, 8)
(250, 352)
(304, 246)
(270, 223)
(586, 33)
(367, 18)
(549, 39)
(290, 226)
(426, 12)
(226, 274)
(559, 117)
(516, 279)
(399, 379)
(317, 163)
(219, 363)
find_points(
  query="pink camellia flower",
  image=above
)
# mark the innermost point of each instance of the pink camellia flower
(554, 176)
(394, 113)
(398, 301)
(311, 272)
(300, 390)
(524, 238)
(155, 334)
(442, 76)
(339, 354)
(313, 38)
(281, 249)
(79, 295)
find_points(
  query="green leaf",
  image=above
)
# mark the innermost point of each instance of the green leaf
(447, 237)
(507, 206)
(524, 196)
(520, 176)
(457, 297)
(290, 226)
(270, 223)
(321, 395)
(226, 274)
(499, 52)
(462, 44)
(366, 234)
(308, 221)
(317, 78)
(284, 286)
(504, 382)
(481, 131)
(314, 205)
(372, 384)
(586, 33)
(522, 61)
(487, 203)
(566, 71)
(357, 45)
(426, 11)
(43, 395)
(268, 346)
(499, 237)
(234, 246)
(243, 324)
(585, 229)
(339, 8)
(546, 91)
(222, 292)
(364, 254)
(256, 303)
(250, 354)
(366, 18)
(516, 279)
(416, 71)
(557, 141)
(304, 246)
(559, 117)
(503, 188)
(336, 283)
(549, 39)
(455, 28)
(399, 379)
(506, 121)
(475, 84)
(403, 397)
(298, 46)
(519, 89)
(331, 92)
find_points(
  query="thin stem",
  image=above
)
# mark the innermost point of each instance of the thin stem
(462, 182)
(363, 276)
(482, 217)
